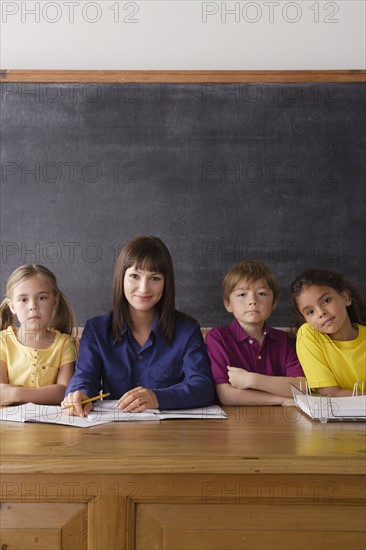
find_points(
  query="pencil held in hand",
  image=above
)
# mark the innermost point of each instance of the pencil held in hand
(89, 400)
(79, 404)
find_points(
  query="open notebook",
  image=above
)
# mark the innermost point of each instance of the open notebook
(103, 413)
(325, 408)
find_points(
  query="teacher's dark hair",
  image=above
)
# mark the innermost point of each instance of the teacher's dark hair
(151, 254)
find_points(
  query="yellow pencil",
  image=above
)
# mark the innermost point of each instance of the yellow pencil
(100, 396)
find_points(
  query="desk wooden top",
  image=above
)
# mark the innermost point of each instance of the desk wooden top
(251, 440)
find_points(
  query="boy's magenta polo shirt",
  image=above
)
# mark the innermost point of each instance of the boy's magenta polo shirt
(231, 345)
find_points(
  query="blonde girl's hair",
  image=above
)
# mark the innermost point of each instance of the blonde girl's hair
(64, 318)
(251, 270)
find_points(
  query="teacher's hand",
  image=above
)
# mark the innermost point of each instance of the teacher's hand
(137, 400)
(75, 398)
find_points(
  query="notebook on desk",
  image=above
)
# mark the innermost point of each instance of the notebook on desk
(102, 413)
(326, 408)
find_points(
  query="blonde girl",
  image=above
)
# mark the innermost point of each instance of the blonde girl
(37, 357)
(331, 340)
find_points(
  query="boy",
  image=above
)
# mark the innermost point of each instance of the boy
(251, 363)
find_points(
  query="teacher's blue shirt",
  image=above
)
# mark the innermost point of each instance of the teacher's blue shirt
(178, 373)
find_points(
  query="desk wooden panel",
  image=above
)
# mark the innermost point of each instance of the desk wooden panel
(267, 477)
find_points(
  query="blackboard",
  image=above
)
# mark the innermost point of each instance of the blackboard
(221, 172)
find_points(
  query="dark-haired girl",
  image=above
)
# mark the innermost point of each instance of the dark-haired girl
(331, 341)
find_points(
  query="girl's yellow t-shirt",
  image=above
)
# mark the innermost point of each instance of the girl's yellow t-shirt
(328, 362)
(34, 368)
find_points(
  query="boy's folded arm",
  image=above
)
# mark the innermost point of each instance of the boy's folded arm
(278, 385)
(233, 396)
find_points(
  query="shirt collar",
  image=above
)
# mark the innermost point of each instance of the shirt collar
(126, 328)
(241, 335)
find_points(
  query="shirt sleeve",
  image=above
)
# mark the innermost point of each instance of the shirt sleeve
(292, 367)
(3, 357)
(218, 357)
(196, 389)
(69, 353)
(87, 377)
(309, 347)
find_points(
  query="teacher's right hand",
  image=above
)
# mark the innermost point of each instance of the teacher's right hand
(74, 399)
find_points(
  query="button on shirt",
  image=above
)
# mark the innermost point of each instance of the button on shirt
(34, 368)
(178, 373)
(231, 345)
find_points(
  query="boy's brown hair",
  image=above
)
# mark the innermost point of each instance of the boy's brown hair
(251, 270)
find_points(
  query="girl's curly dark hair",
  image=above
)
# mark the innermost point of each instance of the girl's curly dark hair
(332, 279)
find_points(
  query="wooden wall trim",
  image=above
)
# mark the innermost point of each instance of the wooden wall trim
(182, 76)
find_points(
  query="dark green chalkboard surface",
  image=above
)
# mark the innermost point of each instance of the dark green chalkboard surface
(221, 172)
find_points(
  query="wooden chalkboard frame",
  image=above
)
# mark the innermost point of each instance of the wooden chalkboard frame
(181, 76)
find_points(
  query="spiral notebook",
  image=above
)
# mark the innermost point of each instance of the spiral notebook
(326, 408)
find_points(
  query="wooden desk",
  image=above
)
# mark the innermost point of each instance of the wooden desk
(266, 478)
